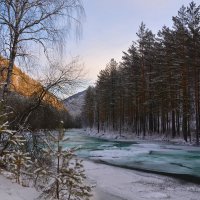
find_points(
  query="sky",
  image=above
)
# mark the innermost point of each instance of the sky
(111, 25)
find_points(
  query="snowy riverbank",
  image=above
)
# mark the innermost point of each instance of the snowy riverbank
(13, 191)
(113, 183)
(125, 136)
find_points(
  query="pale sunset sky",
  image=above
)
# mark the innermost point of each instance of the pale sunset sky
(111, 25)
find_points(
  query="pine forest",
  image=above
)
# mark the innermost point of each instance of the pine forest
(156, 86)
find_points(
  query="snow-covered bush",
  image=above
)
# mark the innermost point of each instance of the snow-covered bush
(13, 155)
(19, 163)
(55, 170)
(67, 177)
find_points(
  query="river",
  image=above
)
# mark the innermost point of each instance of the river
(164, 158)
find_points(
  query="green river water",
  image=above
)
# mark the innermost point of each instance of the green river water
(154, 157)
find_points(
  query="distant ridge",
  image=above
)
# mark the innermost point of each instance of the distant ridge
(75, 103)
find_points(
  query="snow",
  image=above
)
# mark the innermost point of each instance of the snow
(14, 191)
(75, 103)
(117, 153)
(114, 183)
(127, 136)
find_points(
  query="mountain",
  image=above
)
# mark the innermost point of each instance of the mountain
(24, 85)
(75, 103)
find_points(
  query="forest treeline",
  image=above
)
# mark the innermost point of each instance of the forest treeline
(45, 116)
(156, 86)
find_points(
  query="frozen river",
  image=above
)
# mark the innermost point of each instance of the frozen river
(181, 161)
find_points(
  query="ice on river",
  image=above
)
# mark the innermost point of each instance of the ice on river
(155, 157)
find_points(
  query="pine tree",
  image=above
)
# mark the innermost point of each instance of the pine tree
(66, 175)
(13, 155)
(89, 107)
(18, 163)
(193, 23)
(182, 53)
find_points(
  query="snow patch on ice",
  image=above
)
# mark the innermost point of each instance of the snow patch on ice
(117, 153)
(156, 195)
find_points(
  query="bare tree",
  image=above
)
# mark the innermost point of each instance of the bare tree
(59, 79)
(24, 22)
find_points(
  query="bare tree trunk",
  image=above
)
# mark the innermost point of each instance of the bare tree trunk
(6, 87)
(173, 124)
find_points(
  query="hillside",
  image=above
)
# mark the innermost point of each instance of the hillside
(24, 85)
(75, 103)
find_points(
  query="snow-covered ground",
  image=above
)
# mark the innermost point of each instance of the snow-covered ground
(126, 136)
(14, 191)
(113, 183)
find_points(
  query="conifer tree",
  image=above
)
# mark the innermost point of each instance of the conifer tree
(193, 23)
(19, 164)
(89, 107)
(66, 174)
(13, 155)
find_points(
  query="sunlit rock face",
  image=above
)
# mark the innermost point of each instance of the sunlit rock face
(24, 85)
